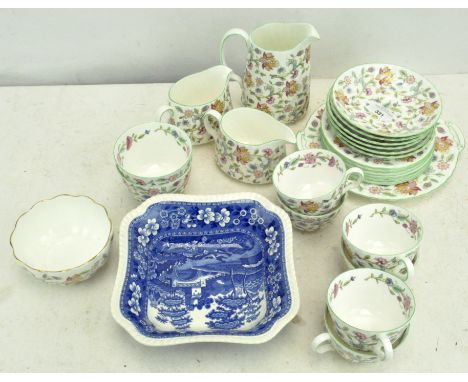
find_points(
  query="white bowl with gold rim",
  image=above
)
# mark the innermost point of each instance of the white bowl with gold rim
(63, 240)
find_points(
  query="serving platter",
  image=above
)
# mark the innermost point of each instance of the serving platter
(449, 142)
(205, 268)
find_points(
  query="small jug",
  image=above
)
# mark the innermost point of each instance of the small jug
(249, 143)
(277, 74)
(192, 96)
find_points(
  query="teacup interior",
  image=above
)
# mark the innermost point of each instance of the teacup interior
(369, 304)
(279, 37)
(157, 154)
(61, 233)
(200, 88)
(254, 127)
(307, 182)
(380, 235)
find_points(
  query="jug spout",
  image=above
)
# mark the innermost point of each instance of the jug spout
(312, 34)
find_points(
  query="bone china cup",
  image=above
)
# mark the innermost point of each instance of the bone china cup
(331, 341)
(153, 158)
(382, 236)
(63, 240)
(370, 309)
(312, 182)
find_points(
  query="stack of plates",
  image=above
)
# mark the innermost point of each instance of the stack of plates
(382, 118)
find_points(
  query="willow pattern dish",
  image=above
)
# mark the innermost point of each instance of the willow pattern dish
(63, 240)
(313, 181)
(386, 100)
(205, 268)
(153, 158)
(331, 341)
(192, 96)
(394, 265)
(311, 223)
(370, 309)
(449, 143)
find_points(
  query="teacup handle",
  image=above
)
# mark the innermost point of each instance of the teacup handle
(163, 110)
(322, 343)
(229, 33)
(353, 178)
(409, 268)
(387, 353)
(206, 122)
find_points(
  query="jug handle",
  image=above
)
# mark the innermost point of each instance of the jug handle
(163, 110)
(236, 78)
(207, 124)
(229, 33)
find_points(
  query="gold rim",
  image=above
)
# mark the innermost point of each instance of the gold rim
(109, 237)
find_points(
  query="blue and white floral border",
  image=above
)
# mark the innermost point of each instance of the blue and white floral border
(123, 261)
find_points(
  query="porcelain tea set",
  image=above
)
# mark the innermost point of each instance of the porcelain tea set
(220, 267)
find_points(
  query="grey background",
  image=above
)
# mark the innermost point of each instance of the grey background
(93, 46)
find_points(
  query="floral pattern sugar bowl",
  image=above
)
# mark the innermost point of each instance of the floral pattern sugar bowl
(63, 240)
(211, 268)
(277, 73)
(370, 309)
(153, 158)
(313, 182)
(192, 96)
(248, 143)
(382, 236)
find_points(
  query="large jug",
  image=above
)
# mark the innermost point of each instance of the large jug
(192, 96)
(249, 144)
(277, 75)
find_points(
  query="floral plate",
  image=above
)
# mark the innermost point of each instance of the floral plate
(205, 269)
(448, 145)
(386, 100)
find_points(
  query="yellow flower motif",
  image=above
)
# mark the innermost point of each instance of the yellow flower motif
(263, 107)
(291, 88)
(309, 207)
(73, 279)
(429, 108)
(268, 61)
(409, 188)
(218, 106)
(248, 79)
(385, 76)
(443, 144)
(242, 155)
(341, 97)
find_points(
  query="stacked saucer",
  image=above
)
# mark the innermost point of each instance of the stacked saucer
(382, 118)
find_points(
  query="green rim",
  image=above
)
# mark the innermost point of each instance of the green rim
(376, 205)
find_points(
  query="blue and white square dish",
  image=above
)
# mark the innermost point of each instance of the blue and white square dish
(205, 268)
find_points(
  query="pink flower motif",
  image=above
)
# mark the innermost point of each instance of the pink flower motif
(360, 115)
(202, 130)
(270, 100)
(129, 142)
(442, 165)
(310, 158)
(375, 189)
(224, 159)
(406, 99)
(347, 228)
(406, 302)
(332, 162)
(368, 91)
(360, 336)
(400, 124)
(153, 191)
(295, 73)
(381, 261)
(410, 80)
(258, 173)
(268, 152)
(250, 66)
(173, 177)
(413, 226)
(335, 290)
(141, 182)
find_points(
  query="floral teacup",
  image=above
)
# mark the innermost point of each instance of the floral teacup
(153, 158)
(382, 236)
(192, 96)
(331, 341)
(311, 223)
(313, 182)
(370, 309)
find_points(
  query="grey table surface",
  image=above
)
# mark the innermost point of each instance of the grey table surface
(59, 140)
